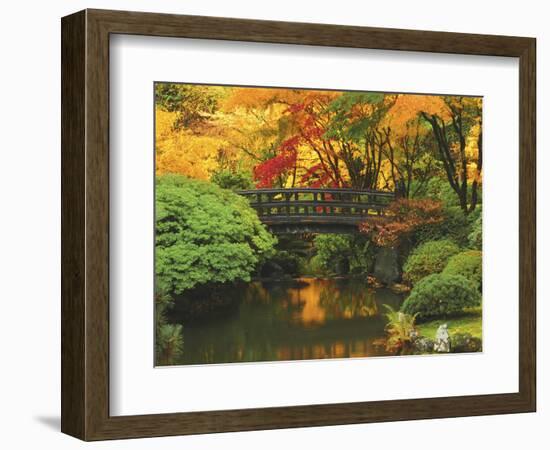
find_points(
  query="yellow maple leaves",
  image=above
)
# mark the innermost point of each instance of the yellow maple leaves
(182, 151)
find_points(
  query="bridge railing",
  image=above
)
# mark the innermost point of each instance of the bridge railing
(313, 202)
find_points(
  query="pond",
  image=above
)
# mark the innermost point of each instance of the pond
(306, 318)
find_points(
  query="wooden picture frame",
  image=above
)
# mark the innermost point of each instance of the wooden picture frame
(85, 224)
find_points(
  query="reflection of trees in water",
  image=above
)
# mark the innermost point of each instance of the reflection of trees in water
(339, 349)
(312, 302)
(282, 297)
(357, 300)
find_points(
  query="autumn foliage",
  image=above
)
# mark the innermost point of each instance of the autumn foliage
(404, 216)
(313, 138)
(268, 171)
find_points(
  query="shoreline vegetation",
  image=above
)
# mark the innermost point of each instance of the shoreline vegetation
(229, 289)
(469, 322)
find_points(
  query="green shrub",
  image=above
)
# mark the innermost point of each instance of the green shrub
(428, 258)
(168, 344)
(289, 262)
(205, 234)
(468, 264)
(313, 267)
(440, 295)
(475, 238)
(400, 330)
(440, 189)
(234, 181)
(344, 253)
(289, 258)
(454, 226)
(168, 337)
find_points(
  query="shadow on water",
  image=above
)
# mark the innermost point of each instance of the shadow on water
(291, 320)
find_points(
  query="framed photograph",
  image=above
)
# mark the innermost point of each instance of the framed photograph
(270, 224)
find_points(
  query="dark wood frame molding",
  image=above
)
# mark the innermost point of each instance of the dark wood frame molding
(85, 224)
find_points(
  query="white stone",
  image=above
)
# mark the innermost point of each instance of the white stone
(442, 342)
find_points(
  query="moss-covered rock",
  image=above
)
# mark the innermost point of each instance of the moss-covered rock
(465, 343)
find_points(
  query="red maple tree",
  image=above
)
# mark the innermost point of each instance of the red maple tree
(404, 216)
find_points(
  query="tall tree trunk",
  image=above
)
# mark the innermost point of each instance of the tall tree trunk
(479, 164)
(457, 179)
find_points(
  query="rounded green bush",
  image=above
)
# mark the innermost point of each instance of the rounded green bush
(468, 264)
(441, 295)
(428, 258)
(455, 225)
(205, 234)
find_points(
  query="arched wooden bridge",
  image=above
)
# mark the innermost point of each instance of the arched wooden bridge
(310, 210)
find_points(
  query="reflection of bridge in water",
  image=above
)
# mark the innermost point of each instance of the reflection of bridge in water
(311, 210)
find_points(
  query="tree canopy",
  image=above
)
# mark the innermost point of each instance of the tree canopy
(316, 138)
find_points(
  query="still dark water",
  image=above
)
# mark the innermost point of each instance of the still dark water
(309, 318)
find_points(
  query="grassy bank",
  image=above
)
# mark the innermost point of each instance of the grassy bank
(470, 322)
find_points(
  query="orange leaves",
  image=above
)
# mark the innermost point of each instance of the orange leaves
(404, 217)
(259, 98)
(408, 107)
